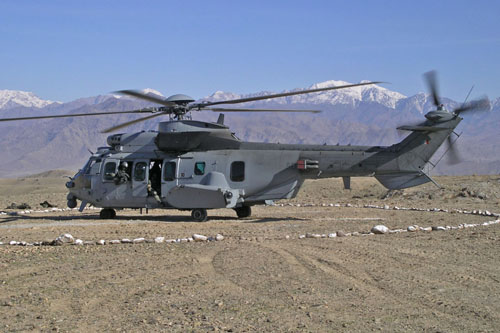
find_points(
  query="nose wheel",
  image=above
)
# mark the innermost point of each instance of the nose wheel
(107, 213)
(199, 214)
(243, 211)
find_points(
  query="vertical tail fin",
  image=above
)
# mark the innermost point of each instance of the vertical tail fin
(419, 147)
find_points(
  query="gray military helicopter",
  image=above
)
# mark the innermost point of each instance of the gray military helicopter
(195, 165)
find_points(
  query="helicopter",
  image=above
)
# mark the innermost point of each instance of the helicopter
(197, 166)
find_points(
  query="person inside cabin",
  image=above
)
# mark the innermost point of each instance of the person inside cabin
(154, 186)
(122, 176)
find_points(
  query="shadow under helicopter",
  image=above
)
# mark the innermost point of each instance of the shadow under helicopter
(129, 219)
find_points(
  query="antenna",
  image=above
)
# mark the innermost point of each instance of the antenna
(467, 97)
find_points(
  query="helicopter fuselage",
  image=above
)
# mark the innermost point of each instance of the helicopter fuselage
(211, 168)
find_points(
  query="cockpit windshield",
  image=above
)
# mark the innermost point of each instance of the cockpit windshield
(92, 166)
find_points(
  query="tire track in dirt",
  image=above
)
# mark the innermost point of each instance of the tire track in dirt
(364, 282)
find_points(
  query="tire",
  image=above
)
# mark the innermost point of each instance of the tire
(243, 211)
(199, 214)
(107, 213)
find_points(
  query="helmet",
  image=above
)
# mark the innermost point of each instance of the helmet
(123, 165)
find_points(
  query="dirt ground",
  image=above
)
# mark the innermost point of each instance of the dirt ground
(257, 279)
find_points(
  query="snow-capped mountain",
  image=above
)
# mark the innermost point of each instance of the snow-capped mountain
(366, 115)
(350, 96)
(15, 98)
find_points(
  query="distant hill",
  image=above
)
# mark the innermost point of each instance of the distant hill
(365, 115)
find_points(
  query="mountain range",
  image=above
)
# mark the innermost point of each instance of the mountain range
(366, 115)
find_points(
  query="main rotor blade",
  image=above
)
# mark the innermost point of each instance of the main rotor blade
(149, 98)
(431, 79)
(251, 99)
(128, 123)
(76, 115)
(482, 104)
(257, 110)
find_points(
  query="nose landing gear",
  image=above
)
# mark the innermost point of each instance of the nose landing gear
(243, 211)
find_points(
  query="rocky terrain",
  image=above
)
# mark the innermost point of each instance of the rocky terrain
(270, 272)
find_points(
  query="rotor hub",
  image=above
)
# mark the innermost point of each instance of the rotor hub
(180, 99)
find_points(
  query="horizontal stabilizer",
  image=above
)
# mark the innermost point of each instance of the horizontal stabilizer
(422, 128)
(397, 181)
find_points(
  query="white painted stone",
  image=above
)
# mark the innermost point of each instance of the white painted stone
(78, 242)
(302, 236)
(426, 229)
(190, 239)
(332, 235)
(65, 238)
(115, 241)
(380, 229)
(159, 240)
(286, 237)
(440, 228)
(13, 242)
(199, 238)
(219, 237)
(101, 242)
(126, 241)
(411, 228)
(138, 240)
(170, 241)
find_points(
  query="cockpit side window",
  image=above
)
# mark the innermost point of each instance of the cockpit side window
(109, 170)
(96, 167)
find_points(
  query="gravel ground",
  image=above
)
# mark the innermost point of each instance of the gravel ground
(262, 276)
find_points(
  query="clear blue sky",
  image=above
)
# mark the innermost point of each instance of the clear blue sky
(62, 50)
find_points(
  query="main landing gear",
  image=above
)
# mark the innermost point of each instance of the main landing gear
(243, 211)
(199, 214)
(107, 213)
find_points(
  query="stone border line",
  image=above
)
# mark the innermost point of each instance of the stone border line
(68, 239)
(376, 230)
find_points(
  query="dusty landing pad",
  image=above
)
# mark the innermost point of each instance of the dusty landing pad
(255, 279)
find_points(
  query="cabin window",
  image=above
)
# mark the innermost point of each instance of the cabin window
(238, 171)
(140, 171)
(169, 172)
(109, 170)
(199, 168)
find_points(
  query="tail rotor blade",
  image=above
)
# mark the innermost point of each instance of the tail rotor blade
(431, 79)
(482, 104)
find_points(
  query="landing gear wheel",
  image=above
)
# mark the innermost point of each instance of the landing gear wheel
(199, 214)
(243, 211)
(107, 213)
